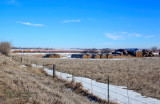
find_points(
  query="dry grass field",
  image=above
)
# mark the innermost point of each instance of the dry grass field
(26, 85)
(139, 74)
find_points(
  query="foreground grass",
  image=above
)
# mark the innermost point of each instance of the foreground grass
(32, 86)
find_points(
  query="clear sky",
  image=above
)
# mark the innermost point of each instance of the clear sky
(80, 23)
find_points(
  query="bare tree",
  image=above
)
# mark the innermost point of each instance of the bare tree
(154, 48)
(5, 48)
(106, 50)
(93, 50)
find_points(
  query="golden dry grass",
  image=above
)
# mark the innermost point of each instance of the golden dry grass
(39, 56)
(39, 71)
(140, 74)
(32, 86)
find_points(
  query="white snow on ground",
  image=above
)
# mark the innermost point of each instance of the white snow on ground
(156, 53)
(117, 93)
(69, 57)
(45, 53)
(65, 55)
(152, 57)
(30, 53)
(110, 59)
(23, 66)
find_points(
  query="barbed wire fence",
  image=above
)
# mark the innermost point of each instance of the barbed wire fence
(91, 86)
(106, 90)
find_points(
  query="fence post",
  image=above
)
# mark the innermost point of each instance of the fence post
(81, 76)
(27, 61)
(72, 75)
(54, 67)
(21, 59)
(60, 72)
(108, 88)
(43, 65)
(36, 65)
(91, 83)
(127, 88)
(67, 76)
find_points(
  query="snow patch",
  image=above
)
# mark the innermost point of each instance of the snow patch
(23, 66)
(117, 93)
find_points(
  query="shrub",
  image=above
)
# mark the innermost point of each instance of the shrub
(5, 48)
(106, 50)
(154, 49)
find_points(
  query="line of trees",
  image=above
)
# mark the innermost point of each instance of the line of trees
(108, 50)
(154, 49)
(5, 48)
(94, 50)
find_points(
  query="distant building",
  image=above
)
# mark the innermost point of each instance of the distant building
(133, 49)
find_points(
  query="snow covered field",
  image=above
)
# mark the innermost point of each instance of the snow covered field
(117, 93)
(45, 53)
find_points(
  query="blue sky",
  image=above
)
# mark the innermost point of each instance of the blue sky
(80, 23)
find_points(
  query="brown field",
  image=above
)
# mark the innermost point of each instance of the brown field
(33, 86)
(139, 74)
